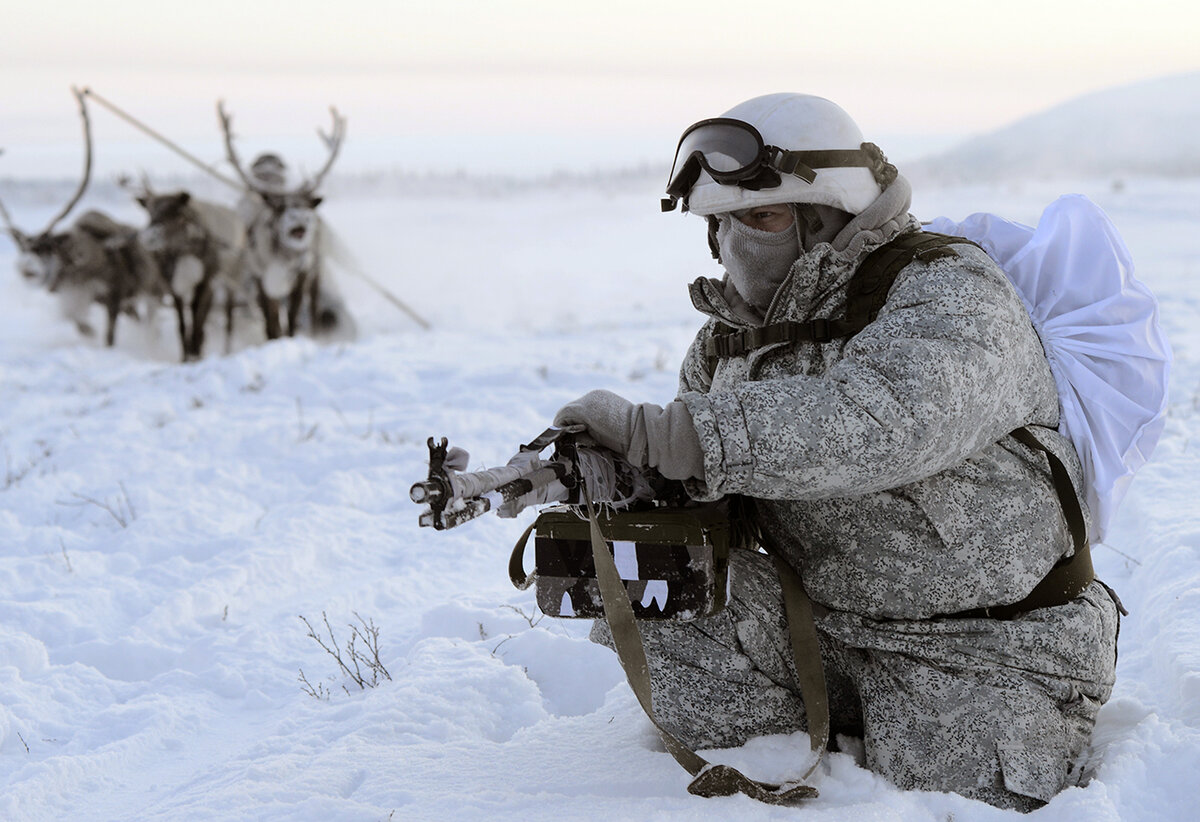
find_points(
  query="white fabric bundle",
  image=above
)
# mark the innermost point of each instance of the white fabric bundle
(1099, 325)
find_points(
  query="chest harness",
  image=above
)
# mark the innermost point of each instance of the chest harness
(866, 294)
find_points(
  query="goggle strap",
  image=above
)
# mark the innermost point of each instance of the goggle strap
(789, 163)
(803, 163)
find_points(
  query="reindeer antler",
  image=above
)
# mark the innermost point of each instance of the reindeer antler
(125, 181)
(8, 223)
(231, 153)
(333, 142)
(87, 163)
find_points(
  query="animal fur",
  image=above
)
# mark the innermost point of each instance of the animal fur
(193, 245)
(97, 260)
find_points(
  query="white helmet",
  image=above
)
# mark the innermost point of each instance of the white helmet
(814, 145)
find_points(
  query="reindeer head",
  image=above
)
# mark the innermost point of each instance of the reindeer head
(43, 256)
(289, 214)
(174, 228)
(164, 209)
(291, 218)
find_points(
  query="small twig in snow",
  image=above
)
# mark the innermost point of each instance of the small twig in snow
(363, 667)
(533, 623)
(128, 501)
(1122, 553)
(304, 434)
(13, 476)
(122, 510)
(317, 691)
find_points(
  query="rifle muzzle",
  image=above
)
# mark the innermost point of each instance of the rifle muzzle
(430, 492)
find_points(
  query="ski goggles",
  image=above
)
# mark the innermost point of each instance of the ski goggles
(733, 152)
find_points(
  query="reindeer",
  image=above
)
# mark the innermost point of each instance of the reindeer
(97, 260)
(193, 244)
(282, 263)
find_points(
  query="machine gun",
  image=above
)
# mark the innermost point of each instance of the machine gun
(455, 496)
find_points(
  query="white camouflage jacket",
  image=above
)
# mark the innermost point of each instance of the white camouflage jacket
(882, 464)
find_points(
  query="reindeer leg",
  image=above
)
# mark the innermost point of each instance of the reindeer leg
(228, 321)
(202, 301)
(314, 303)
(179, 315)
(295, 299)
(270, 312)
(115, 267)
(113, 306)
(325, 318)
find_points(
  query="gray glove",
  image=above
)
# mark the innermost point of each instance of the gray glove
(645, 434)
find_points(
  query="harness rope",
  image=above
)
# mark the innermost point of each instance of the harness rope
(371, 281)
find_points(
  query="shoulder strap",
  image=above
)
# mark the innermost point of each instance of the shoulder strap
(873, 279)
(1067, 579)
(866, 295)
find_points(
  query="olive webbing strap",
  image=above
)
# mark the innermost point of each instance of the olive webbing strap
(1062, 486)
(516, 564)
(709, 779)
(867, 292)
(806, 653)
(1070, 576)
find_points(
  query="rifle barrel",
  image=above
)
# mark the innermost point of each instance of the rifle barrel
(478, 483)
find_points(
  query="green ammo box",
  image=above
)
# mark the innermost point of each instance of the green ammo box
(674, 561)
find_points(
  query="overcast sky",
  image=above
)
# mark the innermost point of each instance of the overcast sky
(448, 79)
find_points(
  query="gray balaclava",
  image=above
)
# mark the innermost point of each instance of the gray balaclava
(759, 261)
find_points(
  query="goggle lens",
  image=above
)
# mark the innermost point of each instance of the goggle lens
(729, 150)
(726, 145)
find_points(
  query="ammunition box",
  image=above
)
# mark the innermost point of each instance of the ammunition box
(674, 562)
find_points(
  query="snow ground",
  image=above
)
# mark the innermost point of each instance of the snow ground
(164, 527)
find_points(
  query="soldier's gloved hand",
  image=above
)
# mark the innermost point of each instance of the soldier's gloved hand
(645, 433)
(554, 491)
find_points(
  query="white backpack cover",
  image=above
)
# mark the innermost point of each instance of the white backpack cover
(1099, 326)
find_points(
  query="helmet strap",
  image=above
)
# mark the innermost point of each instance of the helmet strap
(713, 245)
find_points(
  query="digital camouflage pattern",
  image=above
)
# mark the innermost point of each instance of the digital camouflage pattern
(883, 471)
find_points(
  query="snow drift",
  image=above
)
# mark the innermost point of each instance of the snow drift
(1147, 128)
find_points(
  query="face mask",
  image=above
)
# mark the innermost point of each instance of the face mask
(757, 261)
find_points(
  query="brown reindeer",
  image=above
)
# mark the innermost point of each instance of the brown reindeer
(281, 267)
(96, 260)
(194, 245)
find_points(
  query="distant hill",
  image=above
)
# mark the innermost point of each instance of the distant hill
(1150, 128)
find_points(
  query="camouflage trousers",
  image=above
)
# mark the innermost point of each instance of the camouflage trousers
(996, 710)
